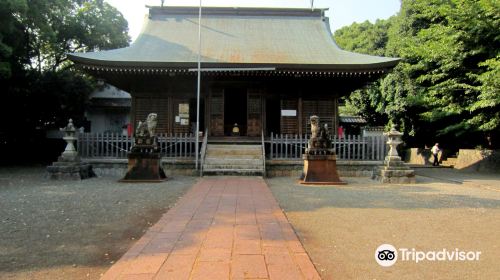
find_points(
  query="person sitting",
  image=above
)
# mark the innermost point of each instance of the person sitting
(236, 130)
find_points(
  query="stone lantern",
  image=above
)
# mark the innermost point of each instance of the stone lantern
(70, 153)
(69, 165)
(394, 170)
(394, 139)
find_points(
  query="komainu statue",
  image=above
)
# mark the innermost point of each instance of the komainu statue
(144, 158)
(147, 128)
(145, 134)
(320, 166)
(320, 142)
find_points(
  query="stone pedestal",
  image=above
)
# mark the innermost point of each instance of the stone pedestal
(394, 170)
(69, 166)
(70, 170)
(144, 158)
(320, 161)
(320, 170)
(144, 167)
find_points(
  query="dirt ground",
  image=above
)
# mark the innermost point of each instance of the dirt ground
(342, 226)
(77, 229)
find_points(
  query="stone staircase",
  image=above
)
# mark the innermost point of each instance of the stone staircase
(449, 162)
(233, 159)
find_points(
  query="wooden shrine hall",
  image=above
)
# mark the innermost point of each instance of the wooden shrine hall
(265, 69)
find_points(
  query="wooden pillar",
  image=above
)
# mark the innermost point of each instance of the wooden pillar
(171, 114)
(299, 115)
(336, 116)
(132, 112)
(264, 112)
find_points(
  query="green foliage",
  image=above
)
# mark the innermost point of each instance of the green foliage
(63, 26)
(10, 33)
(486, 108)
(447, 82)
(36, 78)
(373, 41)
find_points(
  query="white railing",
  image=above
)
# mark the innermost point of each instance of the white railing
(350, 147)
(115, 145)
(203, 151)
(263, 154)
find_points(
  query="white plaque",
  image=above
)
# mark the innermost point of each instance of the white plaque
(288, 113)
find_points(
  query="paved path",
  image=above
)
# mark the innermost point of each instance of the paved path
(223, 228)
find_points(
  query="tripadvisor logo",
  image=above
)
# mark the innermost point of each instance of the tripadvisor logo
(386, 255)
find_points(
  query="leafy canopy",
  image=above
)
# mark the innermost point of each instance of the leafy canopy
(447, 82)
(36, 78)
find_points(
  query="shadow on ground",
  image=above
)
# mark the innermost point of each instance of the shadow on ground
(365, 193)
(50, 224)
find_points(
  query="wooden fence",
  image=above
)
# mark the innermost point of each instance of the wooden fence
(350, 147)
(115, 145)
(285, 147)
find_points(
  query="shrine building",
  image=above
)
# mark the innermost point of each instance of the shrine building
(266, 69)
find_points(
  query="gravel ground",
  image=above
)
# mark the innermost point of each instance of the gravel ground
(341, 226)
(74, 229)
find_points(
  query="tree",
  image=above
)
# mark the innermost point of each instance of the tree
(370, 39)
(10, 34)
(364, 37)
(38, 83)
(55, 28)
(446, 84)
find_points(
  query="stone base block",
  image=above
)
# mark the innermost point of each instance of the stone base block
(395, 172)
(144, 168)
(70, 171)
(395, 180)
(320, 170)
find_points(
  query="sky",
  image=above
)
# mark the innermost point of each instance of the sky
(341, 12)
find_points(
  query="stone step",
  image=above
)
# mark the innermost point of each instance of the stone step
(238, 172)
(450, 161)
(228, 153)
(234, 146)
(230, 166)
(233, 159)
(251, 161)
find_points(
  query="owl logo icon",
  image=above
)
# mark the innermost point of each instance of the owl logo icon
(386, 255)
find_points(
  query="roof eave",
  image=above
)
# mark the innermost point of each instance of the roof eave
(388, 64)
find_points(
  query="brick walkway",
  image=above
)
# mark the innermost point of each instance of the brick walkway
(223, 228)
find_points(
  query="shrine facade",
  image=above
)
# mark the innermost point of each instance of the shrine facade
(266, 70)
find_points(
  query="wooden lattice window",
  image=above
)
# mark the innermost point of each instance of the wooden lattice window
(143, 106)
(324, 109)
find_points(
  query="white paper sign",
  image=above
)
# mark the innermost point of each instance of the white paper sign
(288, 113)
(177, 119)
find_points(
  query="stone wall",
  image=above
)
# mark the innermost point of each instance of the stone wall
(185, 167)
(275, 168)
(478, 160)
(118, 167)
(288, 168)
(420, 156)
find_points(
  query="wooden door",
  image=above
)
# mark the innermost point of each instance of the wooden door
(216, 112)
(289, 123)
(254, 113)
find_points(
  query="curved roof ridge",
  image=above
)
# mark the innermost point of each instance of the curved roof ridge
(246, 37)
(241, 11)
